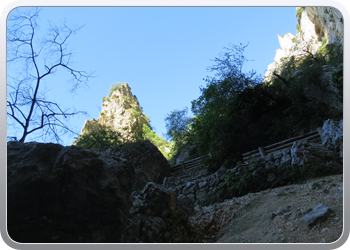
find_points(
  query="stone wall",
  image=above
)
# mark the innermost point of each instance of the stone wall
(276, 169)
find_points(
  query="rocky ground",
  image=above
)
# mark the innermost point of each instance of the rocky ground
(277, 215)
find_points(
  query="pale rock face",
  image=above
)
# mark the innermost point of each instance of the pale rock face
(332, 135)
(328, 22)
(315, 23)
(117, 112)
(286, 42)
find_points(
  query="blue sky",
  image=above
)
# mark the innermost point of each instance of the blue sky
(161, 52)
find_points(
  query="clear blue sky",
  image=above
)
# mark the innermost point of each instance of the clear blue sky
(161, 52)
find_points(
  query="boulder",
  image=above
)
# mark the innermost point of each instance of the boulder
(149, 163)
(318, 213)
(305, 152)
(66, 194)
(156, 199)
(332, 135)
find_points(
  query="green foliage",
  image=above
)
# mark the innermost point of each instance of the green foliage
(237, 112)
(298, 27)
(294, 40)
(179, 130)
(283, 59)
(337, 79)
(105, 99)
(178, 124)
(114, 87)
(162, 144)
(98, 137)
(299, 12)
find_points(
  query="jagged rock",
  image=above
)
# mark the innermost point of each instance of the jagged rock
(332, 135)
(66, 194)
(185, 203)
(153, 230)
(315, 23)
(163, 216)
(156, 199)
(121, 112)
(319, 212)
(304, 152)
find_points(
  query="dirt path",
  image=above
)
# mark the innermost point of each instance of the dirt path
(275, 215)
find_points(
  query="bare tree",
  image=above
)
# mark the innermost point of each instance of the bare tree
(34, 57)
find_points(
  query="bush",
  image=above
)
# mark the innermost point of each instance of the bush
(162, 144)
(299, 12)
(105, 99)
(114, 87)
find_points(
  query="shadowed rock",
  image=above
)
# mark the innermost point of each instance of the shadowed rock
(66, 194)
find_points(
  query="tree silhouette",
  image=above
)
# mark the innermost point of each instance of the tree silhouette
(33, 58)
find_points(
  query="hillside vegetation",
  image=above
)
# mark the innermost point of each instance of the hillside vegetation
(239, 111)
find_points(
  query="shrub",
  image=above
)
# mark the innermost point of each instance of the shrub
(162, 144)
(105, 99)
(337, 79)
(299, 12)
(114, 87)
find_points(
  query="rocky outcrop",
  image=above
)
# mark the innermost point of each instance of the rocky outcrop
(304, 152)
(315, 23)
(159, 216)
(121, 112)
(332, 135)
(149, 163)
(317, 27)
(66, 194)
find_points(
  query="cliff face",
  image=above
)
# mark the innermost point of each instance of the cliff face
(317, 27)
(314, 24)
(122, 113)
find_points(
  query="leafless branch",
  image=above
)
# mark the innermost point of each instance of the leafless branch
(25, 106)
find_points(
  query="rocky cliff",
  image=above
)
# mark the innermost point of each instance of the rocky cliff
(317, 27)
(314, 25)
(121, 112)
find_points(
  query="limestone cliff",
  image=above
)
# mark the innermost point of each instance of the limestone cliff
(314, 24)
(316, 28)
(121, 112)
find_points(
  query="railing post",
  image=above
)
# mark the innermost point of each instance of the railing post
(262, 151)
(165, 182)
(183, 166)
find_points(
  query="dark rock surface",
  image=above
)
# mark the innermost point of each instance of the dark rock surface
(149, 163)
(66, 194)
